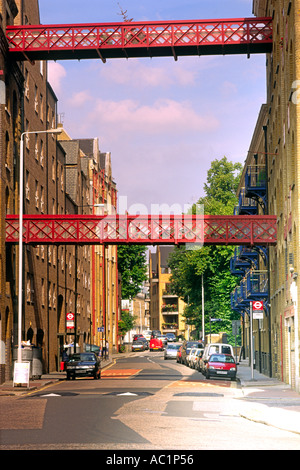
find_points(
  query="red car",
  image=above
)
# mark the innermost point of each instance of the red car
(156, 344)
(220, 365)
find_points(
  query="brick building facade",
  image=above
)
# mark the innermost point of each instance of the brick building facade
(60, 177)
(270, 182)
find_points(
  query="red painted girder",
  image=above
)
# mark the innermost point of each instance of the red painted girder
(140, 39)
(143, 229)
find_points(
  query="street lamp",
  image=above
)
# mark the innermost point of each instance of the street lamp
(21, 196)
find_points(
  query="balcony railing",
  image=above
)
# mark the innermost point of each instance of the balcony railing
(169, 308)
(257, 285)
(247, 206)
(256, 184)
(254, 286)
(239, 266)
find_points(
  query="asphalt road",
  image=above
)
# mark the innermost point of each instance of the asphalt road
(141, 403)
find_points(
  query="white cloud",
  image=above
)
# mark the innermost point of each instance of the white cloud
(137, 74)
(163, 116)
(80, 98)
(56, 73)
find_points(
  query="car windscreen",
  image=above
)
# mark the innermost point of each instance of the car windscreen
(221, 358)
(82, 357)
(173, 346)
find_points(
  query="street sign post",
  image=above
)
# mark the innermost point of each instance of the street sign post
(70, 320)
(256, 312)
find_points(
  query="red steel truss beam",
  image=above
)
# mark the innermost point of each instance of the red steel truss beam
(143, 229)
(140, 39)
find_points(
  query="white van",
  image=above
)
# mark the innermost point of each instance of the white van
(214, 348)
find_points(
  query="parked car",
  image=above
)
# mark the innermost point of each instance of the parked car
(214, 348)
(139, 345)
(171, 337)
(83, 365)
(178, 357)
(155, 333)
(156, 344)
(163, 338)
(147, 335)
(186, 347)
(137, 336)
(171, 351)
(220, 365)
(197, 352)
(198, 359)
(144, 341)
(189, 356)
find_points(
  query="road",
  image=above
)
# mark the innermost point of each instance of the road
(142, 402)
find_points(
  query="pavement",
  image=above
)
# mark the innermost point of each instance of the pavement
(259, 398)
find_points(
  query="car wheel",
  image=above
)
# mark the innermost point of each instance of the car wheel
(68, 376)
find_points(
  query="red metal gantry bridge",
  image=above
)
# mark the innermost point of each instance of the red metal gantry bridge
(139, 39)
(141, 229)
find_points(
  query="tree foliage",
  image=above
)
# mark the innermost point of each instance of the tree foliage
(126, 323)
(132, 266)
(211, 262)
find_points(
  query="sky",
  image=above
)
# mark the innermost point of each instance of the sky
(164, 121)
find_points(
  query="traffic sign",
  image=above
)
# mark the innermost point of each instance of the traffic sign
(258, 310)
(70, 320)
(257, 305)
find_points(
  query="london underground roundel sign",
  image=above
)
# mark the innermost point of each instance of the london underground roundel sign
(258, 305)
(70, 320)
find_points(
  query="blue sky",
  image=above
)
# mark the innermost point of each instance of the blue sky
(163, 121)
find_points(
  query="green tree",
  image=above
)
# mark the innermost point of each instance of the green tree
(132, 266)
(188, 266)
(126, 323)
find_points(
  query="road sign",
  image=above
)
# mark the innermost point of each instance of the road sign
(258, 305)
(70, 320)
(236, 327)
(258, 310)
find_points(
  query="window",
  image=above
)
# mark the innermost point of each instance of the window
(36, 102)
(36, 194)
(42, 199)
(27, 187)
(42, 154)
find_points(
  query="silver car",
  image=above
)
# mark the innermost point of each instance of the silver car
(171, 351)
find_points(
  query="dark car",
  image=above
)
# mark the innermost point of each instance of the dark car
(220, 365)
(171, 337)
(155, 333)
(186, 347)
(139, 345)
(83, 365)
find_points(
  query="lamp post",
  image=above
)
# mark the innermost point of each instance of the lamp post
(21, 198)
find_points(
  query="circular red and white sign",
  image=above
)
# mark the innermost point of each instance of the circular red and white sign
(70, 316)
(257, 305)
